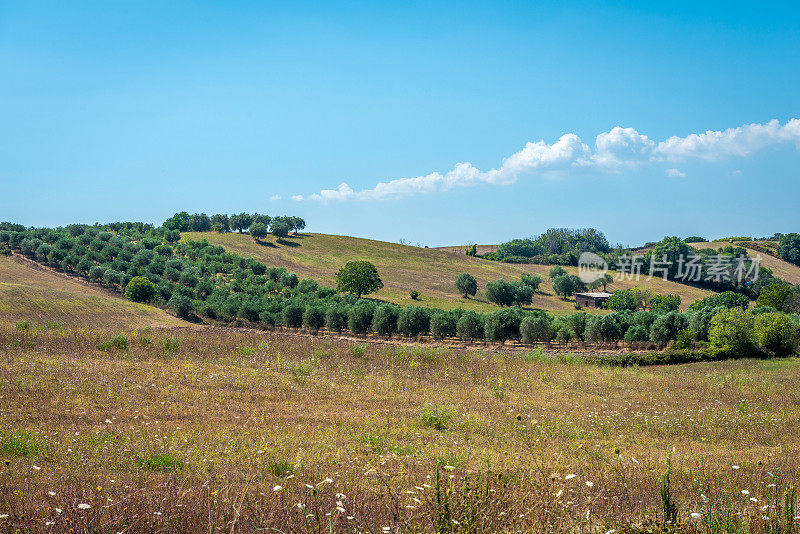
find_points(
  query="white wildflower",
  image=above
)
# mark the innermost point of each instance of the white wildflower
(277, 488)
(51, 493)
(745, 492)
(37, 468)
(734, 467)
(83, 506)
(569, 477)
(448, 468)
(301, 506)
(589, 483)
(695, 515)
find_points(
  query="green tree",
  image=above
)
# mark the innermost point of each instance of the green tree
(469, 326)
(384, 321)
(671, 249)
(181, 305)
(567, 285)
(241, 222)
(172, 236)
(280, 229)
(180, 222)
(443, 325)
(669, 302)
(314, 317)
(258, 231)
(775, 334)
(140, 289)
(536, 328)
(557, 271)
(466, 284)
(531, 281)
(293, 315)
(501, 292)
(731, 331)
(774, 295)
(789, 248)
(503, 325)
(413, 321)
(359, 278)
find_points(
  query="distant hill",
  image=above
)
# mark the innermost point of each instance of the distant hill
(403, 268)
(30, 292)
(782, 269)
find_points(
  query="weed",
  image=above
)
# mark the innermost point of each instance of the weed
(169, 344)
(434, 416)
(159, 462)
(669, 507)
(358, 351)
(23, 325)
(300, 370)
(246, 351)
(117, 342)
(280, 468)
(20, 443)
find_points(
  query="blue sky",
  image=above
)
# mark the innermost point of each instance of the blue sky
(132, 111)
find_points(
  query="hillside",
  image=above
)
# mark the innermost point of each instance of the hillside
(403, 268)
(782, 269)
(29, 292)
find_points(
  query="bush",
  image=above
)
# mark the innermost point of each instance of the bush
(636, 334)
(414, 294)
(774, 334)
(293, 316)
(314, 317)
(469, 326)
(531, 281)
(665, 302)
(117, 342)
(384, 321)
(412, 321)
(443, 325)
(731, 332)
(729, 299)
(140, 289)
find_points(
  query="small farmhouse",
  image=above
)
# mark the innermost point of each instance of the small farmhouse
(592, 300)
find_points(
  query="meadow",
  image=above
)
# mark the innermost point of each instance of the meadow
(403, 268)
(228, 430)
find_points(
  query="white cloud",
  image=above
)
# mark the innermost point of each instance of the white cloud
(615, 150)
(277, 197)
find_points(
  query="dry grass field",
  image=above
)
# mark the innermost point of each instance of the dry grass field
(403, 268)
(222, 430)
(29, 292)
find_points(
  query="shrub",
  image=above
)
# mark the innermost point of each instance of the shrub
(434, 416)
(621, 300)
(414, 294)
(469, 326)
(775, 334)
(636, 334)
(665, 302)
(557, 271)
(280, 468)
(117, 342)
(140, 289)
(729, 299)
(731, 332)
(23, 325)
(531, 281)
(293, 316)
(358, 351)
(307, 285)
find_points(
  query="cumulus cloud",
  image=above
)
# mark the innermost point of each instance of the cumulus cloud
(613, 151)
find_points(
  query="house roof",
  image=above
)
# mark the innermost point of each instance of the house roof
(595, 295)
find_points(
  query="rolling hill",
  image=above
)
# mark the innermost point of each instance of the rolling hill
(782, 269)
(38, 295)
(403, 268)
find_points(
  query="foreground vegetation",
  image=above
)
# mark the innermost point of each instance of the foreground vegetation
(222, 430)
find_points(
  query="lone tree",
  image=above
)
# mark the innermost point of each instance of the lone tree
(140, 289)
(567, 285)
(359, 278)
(280, 229)
(557, 271)
(258, 231)
(466, 285)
